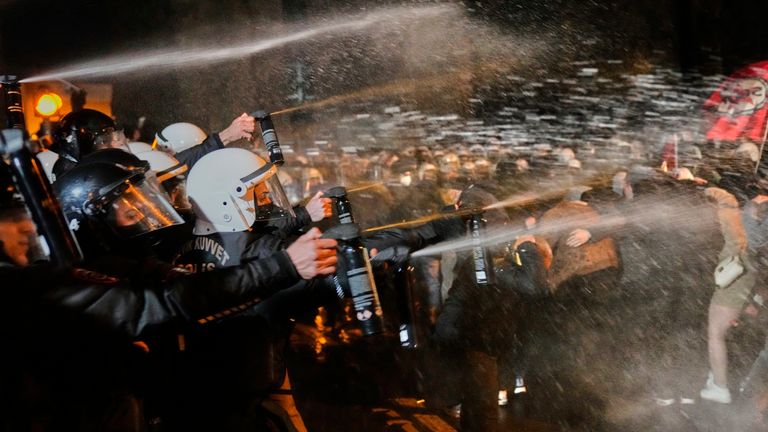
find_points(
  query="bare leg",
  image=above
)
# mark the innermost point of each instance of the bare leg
(720, 318)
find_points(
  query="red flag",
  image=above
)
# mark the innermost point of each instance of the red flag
(739, 105)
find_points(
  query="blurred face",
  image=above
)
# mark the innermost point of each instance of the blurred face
(125, 213)
(15, 237)
(261, 194)
(112, 139)
(314, 181)
(178, 193)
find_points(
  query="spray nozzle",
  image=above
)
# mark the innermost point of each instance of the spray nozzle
(269, 136)
(336, 192)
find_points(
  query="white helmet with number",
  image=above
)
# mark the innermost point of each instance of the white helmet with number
(48, 159)
(137, 147)
(232, 188)
(178, 137)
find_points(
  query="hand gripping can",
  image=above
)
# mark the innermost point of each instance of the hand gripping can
(356, 277)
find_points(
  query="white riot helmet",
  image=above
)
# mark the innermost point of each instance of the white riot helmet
(178, 137)
(230, 189)
(164, 165)
(137, 147)
(48, 159)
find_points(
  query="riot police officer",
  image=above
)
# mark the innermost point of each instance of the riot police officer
(74, 367)
(237, 213)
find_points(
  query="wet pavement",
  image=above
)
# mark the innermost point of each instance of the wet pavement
(586, 371)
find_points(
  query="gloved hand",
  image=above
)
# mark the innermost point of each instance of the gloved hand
(397, 255)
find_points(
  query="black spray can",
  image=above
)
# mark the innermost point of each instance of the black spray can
(341, 203)
(269, 136)
(403, 279)
(355, 276)
(480, 256)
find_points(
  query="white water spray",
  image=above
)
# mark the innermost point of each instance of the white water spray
(172, 58)
(663, 212)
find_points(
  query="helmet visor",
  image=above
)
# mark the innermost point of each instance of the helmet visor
(112, 138)
(140, 209)
(271, 200)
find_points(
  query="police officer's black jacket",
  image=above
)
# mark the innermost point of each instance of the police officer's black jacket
(222, 250)
(240, 359)
(288, 226)
(70, 362)
(132, 308)
(482, 316)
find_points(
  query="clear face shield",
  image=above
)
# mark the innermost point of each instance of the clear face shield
(271, 201)
(173, 184)
(140, 209)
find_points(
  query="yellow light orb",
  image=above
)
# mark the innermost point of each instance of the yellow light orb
(48, 104)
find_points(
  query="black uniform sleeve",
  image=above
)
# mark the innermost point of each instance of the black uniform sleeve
(419, 237)
(191, 155)
(288, 226)
(133, 309)
(197, 296)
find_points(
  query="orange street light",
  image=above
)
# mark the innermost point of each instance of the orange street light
(48, 104)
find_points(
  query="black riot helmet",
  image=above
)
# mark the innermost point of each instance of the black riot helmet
(82, 132)
(125, 160)
(121, 158)
(107, 205)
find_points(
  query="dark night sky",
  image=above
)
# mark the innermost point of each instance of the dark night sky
(36, 35)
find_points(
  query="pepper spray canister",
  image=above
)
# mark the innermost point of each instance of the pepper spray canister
(356, 277)
(404, 282)
(269, 136)
(341, 203)
(480, 256)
